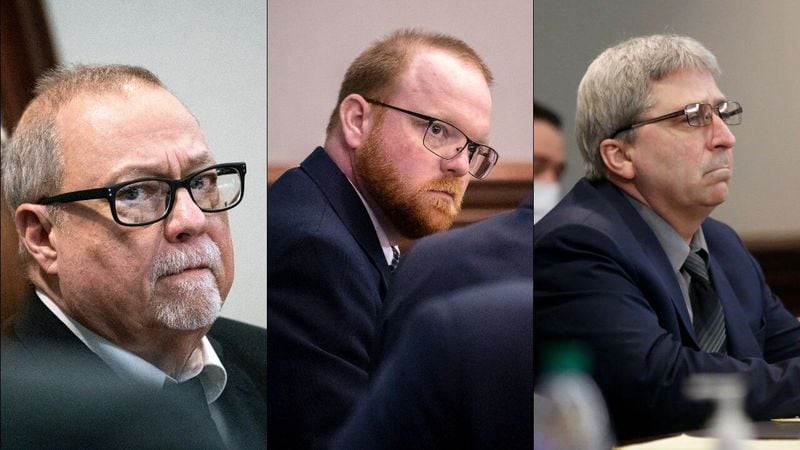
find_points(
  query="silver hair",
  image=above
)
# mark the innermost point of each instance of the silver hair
(32, 164)
(615, 90)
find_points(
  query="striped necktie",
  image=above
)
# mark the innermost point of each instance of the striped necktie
(709, 321)
(395, 258)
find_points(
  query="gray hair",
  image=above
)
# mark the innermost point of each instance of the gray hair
(32, 164)
(615, 90)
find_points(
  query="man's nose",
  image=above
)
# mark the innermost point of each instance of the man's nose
(458, 165)
(186, 218)
(722, 136)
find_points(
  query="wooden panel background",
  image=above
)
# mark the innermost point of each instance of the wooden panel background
(25, 53)
(780, 259)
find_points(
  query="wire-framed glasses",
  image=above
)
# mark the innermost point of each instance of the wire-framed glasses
(697, 115)
(446, 141)
(147, 200)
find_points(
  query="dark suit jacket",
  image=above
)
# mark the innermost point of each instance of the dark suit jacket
(57, 392)
(495, 249)
(326, 278)
(602, 278)
(461, 377)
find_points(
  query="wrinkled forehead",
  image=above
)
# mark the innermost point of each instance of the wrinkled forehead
(122, 111)
(140, 126)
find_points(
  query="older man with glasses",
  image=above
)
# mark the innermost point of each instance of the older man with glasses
(120, 210)
(630, 263)
(409, 129)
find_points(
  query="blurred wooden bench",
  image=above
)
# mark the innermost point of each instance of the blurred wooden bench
(780, 260)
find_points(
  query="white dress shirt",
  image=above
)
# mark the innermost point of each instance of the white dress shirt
(203, 363)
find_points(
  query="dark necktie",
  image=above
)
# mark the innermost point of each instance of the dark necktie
(395, 258)
(709, 321)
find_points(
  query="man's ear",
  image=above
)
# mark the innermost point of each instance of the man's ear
(34, 230)
(352, 116)
(617, 158)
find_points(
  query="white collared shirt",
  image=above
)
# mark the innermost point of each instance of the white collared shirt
(203, 362)
(386, 246)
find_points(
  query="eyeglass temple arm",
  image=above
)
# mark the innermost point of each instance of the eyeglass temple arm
(88, 194)
(658, 119)
(645, 122)
(415, 114)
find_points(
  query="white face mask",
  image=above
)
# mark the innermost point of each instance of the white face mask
(545, 197)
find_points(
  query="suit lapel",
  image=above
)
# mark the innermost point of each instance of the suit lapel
(241, 402)
(36, 325)
(348, 206)
(527, 202)
(647, 241)
(740, 345)
(38, 329)
(41, 343)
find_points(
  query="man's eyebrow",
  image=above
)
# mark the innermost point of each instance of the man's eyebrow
(127, 173)
(201, 162)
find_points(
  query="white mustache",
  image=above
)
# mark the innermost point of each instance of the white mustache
(204, 254)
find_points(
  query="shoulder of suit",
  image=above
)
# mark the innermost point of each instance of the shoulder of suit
(225, 328)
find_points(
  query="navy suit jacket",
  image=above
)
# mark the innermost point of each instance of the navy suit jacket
(326, 280)
(57, 392)
(602, 278)
(495, 249)
(461, 377)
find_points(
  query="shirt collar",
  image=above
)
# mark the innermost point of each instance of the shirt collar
(203, 362)
(673, 244)
(386, 246)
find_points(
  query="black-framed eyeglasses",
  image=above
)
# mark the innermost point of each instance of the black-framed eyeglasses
(147, 200)
(446, 141)
(697, 115)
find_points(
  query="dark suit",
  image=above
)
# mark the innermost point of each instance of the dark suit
(57, 392)
(602, 277)
(326, 278)
(495, 249)
(460, 377)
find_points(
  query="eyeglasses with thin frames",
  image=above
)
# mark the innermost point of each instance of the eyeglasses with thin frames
(446, 141)
(697, 115)
(147, 200)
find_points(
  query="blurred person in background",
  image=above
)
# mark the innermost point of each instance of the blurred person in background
(460, 376)
(549, 160)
